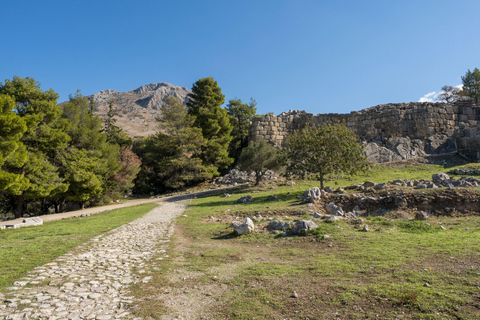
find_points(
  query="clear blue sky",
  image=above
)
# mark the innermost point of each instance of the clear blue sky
(321, 56)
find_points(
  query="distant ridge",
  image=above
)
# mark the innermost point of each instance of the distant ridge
(137, 109)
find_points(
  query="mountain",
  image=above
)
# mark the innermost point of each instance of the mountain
(136, 110)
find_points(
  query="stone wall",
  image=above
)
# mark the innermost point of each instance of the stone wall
(416, 120)
(468, 142)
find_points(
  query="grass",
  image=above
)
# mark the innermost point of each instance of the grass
(26, 248)
(400, 269)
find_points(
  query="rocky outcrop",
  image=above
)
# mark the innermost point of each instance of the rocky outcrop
(137, 109)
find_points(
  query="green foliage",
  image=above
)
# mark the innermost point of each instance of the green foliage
(205, 104)
(330, 148)
(171, 158)
(259, 157)
(44, 138)
(13, 153)
(115, 134)
(240, 115)
(471, 84)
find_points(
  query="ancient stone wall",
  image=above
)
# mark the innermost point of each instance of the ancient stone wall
(416, 120)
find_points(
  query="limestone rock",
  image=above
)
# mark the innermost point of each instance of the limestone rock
(244, 199)
(303, 225)
(438, 178)
(280, 225)
(421, 215)
(244, 227)
(335, 210)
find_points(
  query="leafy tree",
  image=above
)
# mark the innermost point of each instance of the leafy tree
(205, 104)
(171, 158)
(329, 148)
(471, 84)
(44, 138)
(240, 115)
(449, 94)
(259, 157)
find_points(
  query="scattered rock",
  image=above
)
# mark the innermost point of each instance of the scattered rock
(244, 199)
(294, 295)
(421, 215)
(280, 225)
(272, 197)
(333, 209)
(365, 228)
(246, 226)
(438, 178)
(226, 195)
(381, 186)
(302, 226)
(368, 184)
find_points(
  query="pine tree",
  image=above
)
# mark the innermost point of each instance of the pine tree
(240, 115)
(205, 104)
(44, 138)
(171, 158)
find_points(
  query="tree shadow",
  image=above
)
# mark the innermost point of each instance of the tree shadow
(227, 236)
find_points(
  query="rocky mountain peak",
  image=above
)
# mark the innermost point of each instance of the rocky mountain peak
(137, 109)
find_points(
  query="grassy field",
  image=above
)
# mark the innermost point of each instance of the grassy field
(25, 248)
(400, 269)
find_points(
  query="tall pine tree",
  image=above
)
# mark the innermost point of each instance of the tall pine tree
(205, 104)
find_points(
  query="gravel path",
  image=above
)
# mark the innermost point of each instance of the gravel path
(93, 281)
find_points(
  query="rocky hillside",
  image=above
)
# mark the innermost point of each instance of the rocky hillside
(137, 109)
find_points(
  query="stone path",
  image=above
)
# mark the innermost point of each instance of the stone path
(93, 282)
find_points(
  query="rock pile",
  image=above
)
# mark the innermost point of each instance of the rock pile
(235, 176)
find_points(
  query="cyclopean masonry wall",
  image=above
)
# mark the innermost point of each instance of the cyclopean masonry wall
(428, 126)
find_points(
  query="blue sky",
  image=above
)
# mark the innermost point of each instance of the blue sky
(321, 56)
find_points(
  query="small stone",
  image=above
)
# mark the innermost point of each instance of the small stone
(426, 284)
(325, 237)
(365, 228)
(294, 294)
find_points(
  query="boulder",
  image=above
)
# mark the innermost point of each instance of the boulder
(280, 225)
(272, 197)
(302, 226)
(438, 178)
(244, 199)
(368, 184)
(421, 215)
(380, 186)
(312, 195)
(246, 226)
(335, 210)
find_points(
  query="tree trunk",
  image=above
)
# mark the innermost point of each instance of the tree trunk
(83, 204)
(321, 181)
(19, 206)
(258, 176)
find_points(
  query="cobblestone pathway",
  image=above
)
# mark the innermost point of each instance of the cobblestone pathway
(93, 282)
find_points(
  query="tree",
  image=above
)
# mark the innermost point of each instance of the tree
(329, 148)
(205, 104)
(44, 138)
(240, 115)
(13, 153)
(449, 94)
(471, 84)
(171, 158)
(259, 157)
(115, 134)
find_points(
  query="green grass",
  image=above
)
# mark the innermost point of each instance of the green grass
(406, 269)
(25, 248)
